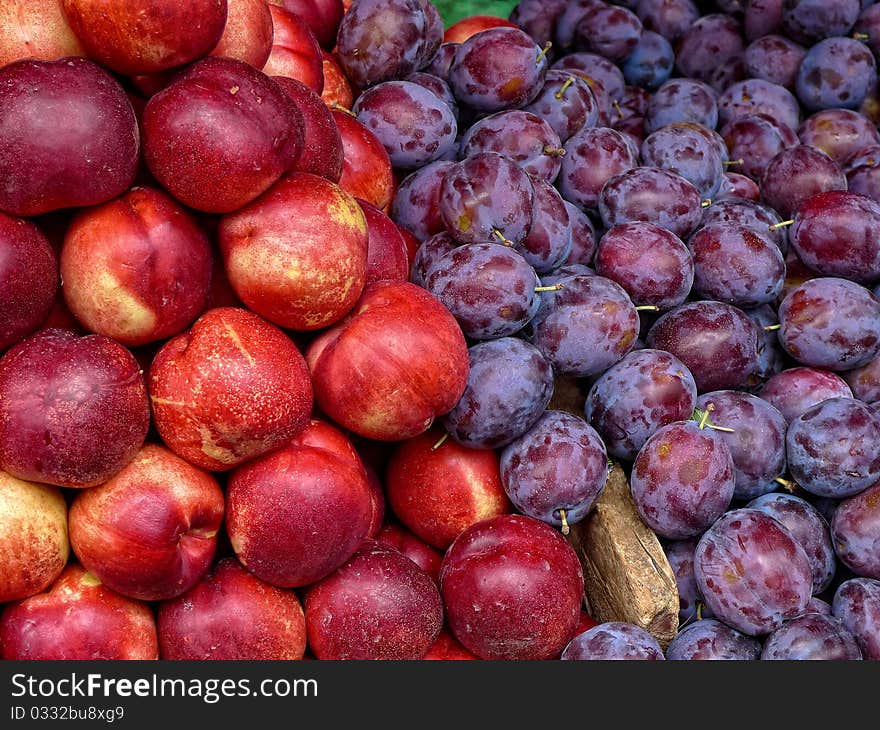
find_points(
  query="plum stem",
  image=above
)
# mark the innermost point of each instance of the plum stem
(789, 485)
(706, 203)
(339, 108)
(729, 163)
(648, 308)
(772, 327)
(543, 52)
(565, 527)
(440, 442)
(617, 108)
(699, 611)
(781, 224)
(555, 287)
(702, 418)
(554, 151)
(501, 237)
(861, 37)
(568, 82)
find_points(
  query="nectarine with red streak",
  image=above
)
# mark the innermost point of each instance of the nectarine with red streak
(387, 255)
(146, 36)
(33, 537)
(231, 388)
(73, 410)
(417, 550)
(398, 361)
(295, 50)
(232, 615)
(68, 136)
(366, 167)
(322, 16)
(78, 618)
(322, 153)
(513, 589)
(466, 27)
(220, 135)
(438, 492)
(297, 514)
(248, 32)
(137, 269)
(28, 279)
(379, 605)
(35, 29)
(337, 90)
(150, 532)
(298, 254)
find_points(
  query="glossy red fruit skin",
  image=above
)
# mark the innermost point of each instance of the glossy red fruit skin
(144, 37)
(248, 32)
(322, 152)
(438, 493)
(387, 254)
(422, 554)
(466, 27)
(36, 30)
(298, 254)
(366, 167)
(28, 279)
(337, 91)
(359, 378)
(379, 605)
(78, 618)
(231, 388)
(447, 648)
(232, 615)
(149, 532)
(322, 16)
(220, 135)
(513, 588)
(68, 136)
(137, 269)
(321, 510)
(295, 50)
(60, 395)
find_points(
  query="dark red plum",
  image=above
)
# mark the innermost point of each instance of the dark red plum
(566, 102)
(549, 241)
(221, 134)
(488, 287)
(682, 100)
(808, 21)
(774, 58)
(28, 279)
(811, 637)
(756, 96)
(629, 402)
(716, 341)
(556, 471)
(610, 31)
(586, 326)
(538, 18)
(498, 68)
(762, 17)
(856, 532)
(865, 381)
(428, 254)
(710, 640)
(442, 60)
(682, 480)
(836, 73)
(817, 605)
(68, 136)
(753, 574)
(863, 172)
(735, 185)
(650, 63)
(796, 174)
(808, 527)
(756, 216)
(794, 390)
(686, 150)
(594, 68)
(486, 197)
(512, 588)
(830, 323)
(379, 40)
(734, 264)
(756, 140)
(839, 133)
(614, 640)
(566, 23)
(707, 44)
(509, 385)
(832, 448)
(413, 124)
(583, 236)
(680, 554)
(60, 394)
(838, 234)
(416, 204)
(756, 440)
(669, 18)
(520, 135)
(592, 157)
(857, 605)
(379, 605)
(437, 86)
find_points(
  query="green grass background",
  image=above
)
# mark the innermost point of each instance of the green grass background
(453, 10)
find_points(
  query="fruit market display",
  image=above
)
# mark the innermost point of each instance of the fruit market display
(330, 332)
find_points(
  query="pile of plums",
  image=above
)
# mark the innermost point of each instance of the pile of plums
(288, 287)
